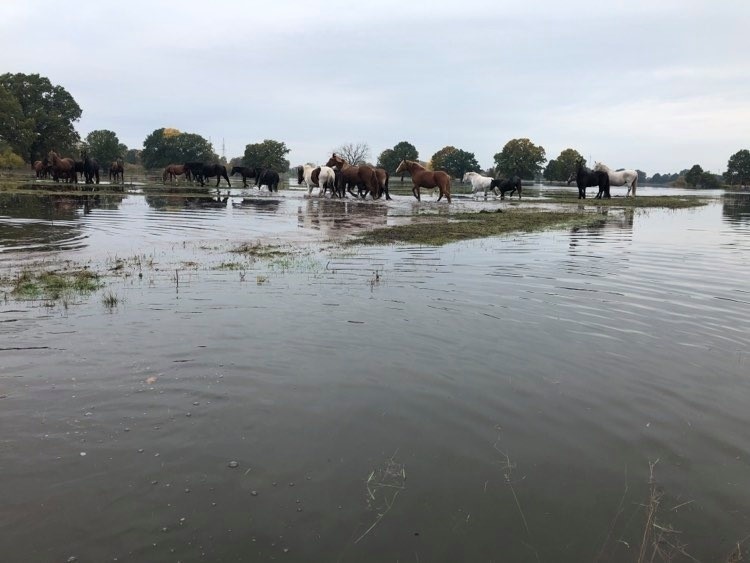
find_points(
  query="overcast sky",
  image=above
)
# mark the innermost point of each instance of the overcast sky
(657, 85)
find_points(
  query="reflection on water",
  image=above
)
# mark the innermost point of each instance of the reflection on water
(511, 391)
(48, 222)
(736, 208)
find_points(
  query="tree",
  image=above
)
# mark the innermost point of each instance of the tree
(455, 162)
(738, 167)
(170, 146)
(567, 164)
(41, 119)
(354, 153)
(268, 154)
(133, 156)
(104, 146)
(552, 171)
(520, 157)
(694, 176)
(9, 159)
(641, 177)
(391, 158)
(710, 181)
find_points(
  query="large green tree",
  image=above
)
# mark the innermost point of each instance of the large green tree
(268, 154)
(36, 116)
(455, 162)
(520, 157)
(738, 167)
(104, 146)
(391, 158)
(567, 163)
(170, 146)
(694, 175)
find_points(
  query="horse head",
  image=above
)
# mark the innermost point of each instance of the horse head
(402, 167)
(336, 160)
(571, 177)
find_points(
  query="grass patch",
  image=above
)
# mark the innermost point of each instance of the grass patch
(437, 231)
(230, 266)
(53, 285)
(257, 250)
(110, 300)
(663, 201)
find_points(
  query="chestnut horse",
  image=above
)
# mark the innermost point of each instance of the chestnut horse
(62, 167)
(117, 170)
(364, 176)
(174, 170)
(40, 167)
(423, 178)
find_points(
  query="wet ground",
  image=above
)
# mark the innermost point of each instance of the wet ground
(492, 400)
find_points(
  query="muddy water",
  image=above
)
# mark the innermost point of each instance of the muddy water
(493, 400)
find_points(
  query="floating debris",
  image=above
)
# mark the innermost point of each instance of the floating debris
(233, 464)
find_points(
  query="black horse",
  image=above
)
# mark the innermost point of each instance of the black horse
(78, 169)
(90, 168)
(265, 177)
(245, 171)
(201, 172)
(511, 185)
(586, 178)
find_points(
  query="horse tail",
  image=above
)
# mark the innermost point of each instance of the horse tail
(635, 184)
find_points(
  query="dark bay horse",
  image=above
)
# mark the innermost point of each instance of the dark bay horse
(41, 168)
(511, 185)
(423, 178)
(363, 176)
(586, 178)
(173, 170)
(62, 167)
(201, 172)
(117, 170)
(267, 177)
(245, 171)
(90, 168)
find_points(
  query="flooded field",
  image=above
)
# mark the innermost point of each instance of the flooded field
(535, 397)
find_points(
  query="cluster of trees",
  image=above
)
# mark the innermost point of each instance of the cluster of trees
(37, 116)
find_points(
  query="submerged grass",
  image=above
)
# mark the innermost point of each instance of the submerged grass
(54, 285)
(258, 250)
(463, 226)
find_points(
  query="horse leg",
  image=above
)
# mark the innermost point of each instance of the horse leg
(415, 191)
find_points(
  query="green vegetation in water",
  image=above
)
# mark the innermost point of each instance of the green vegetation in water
(663, 201)
(110, 300)
(258, 250)
(54, 285)
(231, 266)
(463, 226)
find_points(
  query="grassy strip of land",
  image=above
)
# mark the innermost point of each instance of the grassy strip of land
(53, 285)
(665, 201)
(436, 231)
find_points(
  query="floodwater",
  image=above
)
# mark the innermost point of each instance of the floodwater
(491, 400)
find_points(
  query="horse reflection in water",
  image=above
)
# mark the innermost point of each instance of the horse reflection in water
(616, 225)
(260, 205)
(340, 217)
(165, 202)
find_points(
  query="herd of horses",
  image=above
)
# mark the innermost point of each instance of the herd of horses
(340, 177)
(69, 169)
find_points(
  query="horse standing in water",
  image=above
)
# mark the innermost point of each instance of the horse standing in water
(627, 178)
(512, 185)
(41, 169)
(321, 176)
(244, 171)
(117, 170)
(62, 167)
(268, 178)
(90, 168)
(586, 178)
(363, 176)
(423, 178)
(478, 183)
(173, 170)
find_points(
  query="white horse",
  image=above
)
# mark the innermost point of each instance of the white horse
(317, 176)
(478, 183)
(627, 178)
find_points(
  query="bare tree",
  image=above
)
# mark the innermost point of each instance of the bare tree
(354, 153)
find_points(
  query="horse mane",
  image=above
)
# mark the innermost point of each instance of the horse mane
(601, 166)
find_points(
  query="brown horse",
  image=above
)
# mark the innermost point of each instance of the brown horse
(423, 178)
(117, 170)
(40, 168)
(62, 167)
(174, 170)
(364, 176)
